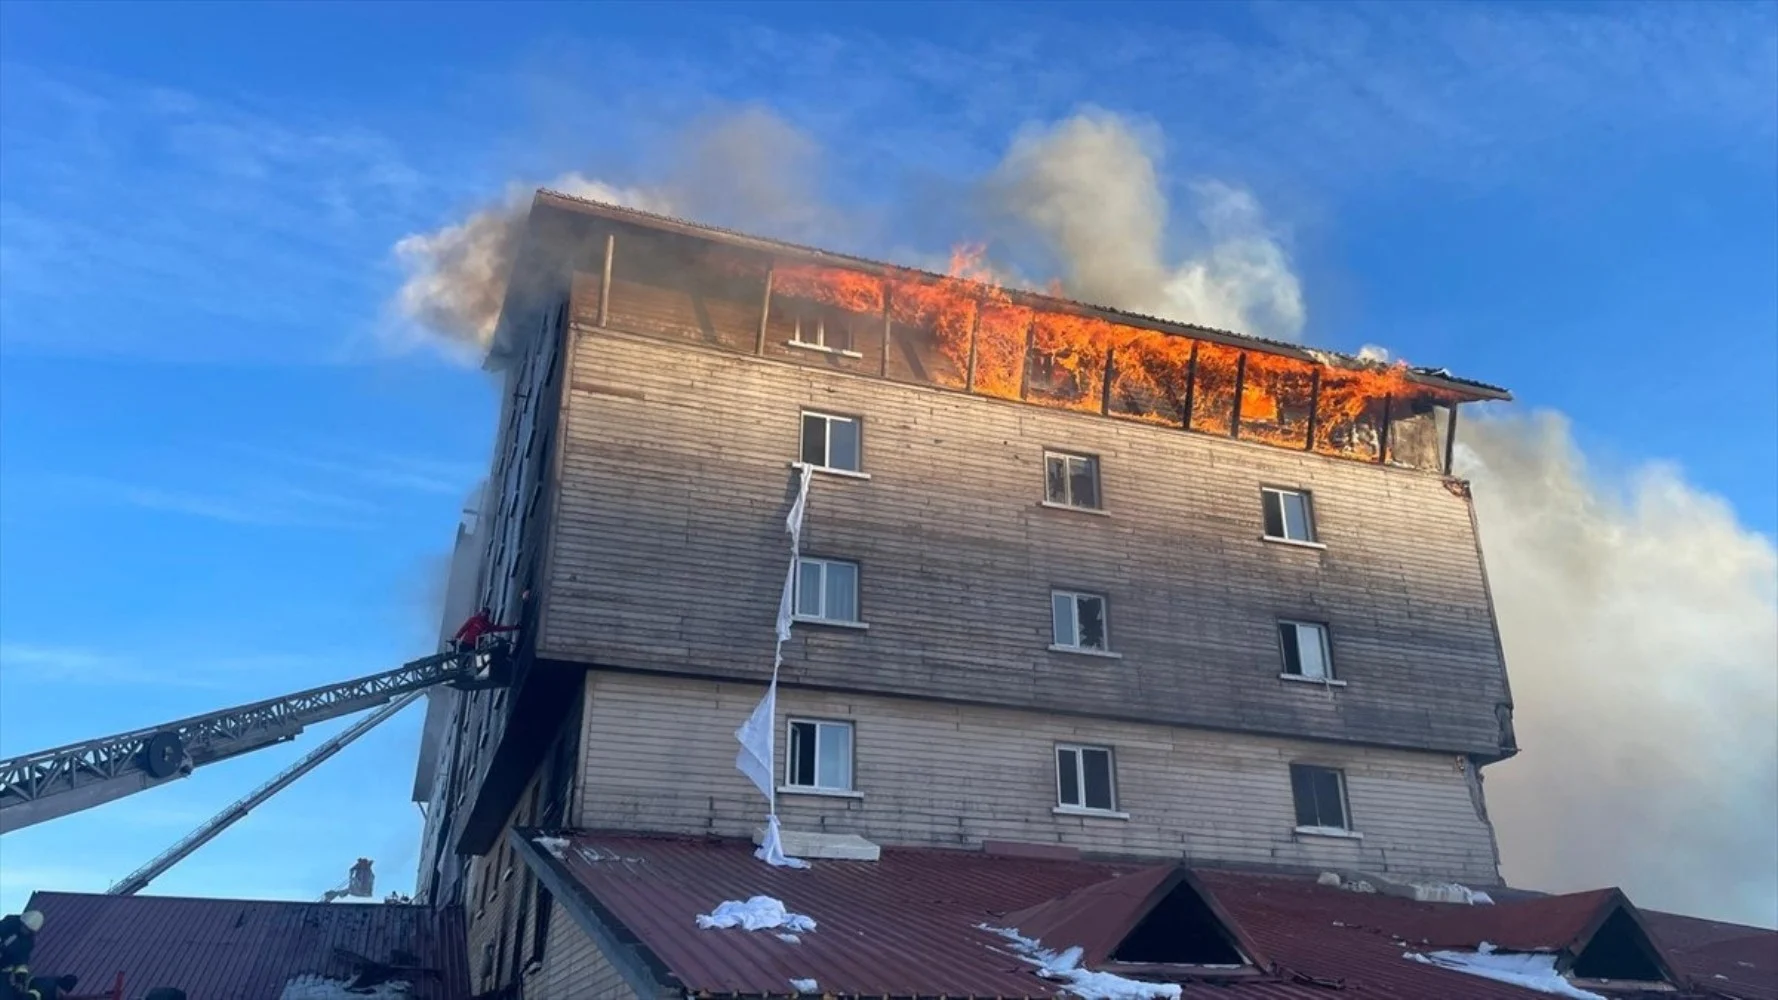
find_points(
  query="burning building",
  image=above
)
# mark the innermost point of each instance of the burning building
(1072, 582)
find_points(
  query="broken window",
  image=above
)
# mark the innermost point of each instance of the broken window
(826, 590)
(1306, 652)
(1320, 794)
(1083, 778)
(831, 442)
(820, 756)
(1071, 480)
(1287, 515)
(1079, 620)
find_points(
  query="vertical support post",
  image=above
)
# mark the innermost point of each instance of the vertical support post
(1105, 388)
(888, 328)
(1450, 438)
(975, 332)
(1191, 387)
(1240, 386)
(1314, 406)
(605, 280)
(1030, 352)
(765, 311)
(1383, 433)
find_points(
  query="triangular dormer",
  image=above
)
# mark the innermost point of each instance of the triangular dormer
(1615, 950)
(1157, 923)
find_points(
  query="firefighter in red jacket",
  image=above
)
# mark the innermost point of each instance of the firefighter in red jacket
(479, 624)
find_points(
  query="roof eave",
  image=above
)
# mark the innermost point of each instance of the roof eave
(1476, 391)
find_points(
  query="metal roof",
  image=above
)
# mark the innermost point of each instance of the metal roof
(910, 924)
(587, 206)
(228, 949)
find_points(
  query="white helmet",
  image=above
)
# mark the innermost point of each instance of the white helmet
(33, 920)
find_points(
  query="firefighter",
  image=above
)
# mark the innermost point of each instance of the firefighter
(18, 935)
(479, 624)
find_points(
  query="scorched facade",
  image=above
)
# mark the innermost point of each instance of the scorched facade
(1071, 577)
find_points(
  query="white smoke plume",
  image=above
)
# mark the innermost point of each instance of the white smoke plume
(1640, 622)
(1090, 187)
(456, 275)
(748, 169)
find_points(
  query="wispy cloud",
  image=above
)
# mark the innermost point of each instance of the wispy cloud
(263, 504)
(178, 206)
(50, 663)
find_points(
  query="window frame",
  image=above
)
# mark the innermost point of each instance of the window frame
(828, 419)
(1080, 750)
(1266, 493)
(790, 787)
(1330, 674)
(1309, 770)
(1068, 502)
(1074, 605)
(798, 615)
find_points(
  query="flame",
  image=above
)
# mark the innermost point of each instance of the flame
(1060, 358)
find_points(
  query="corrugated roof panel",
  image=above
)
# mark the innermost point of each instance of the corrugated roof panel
(225, 949)
(908, 925)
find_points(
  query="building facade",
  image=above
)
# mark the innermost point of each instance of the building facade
(1070, 578)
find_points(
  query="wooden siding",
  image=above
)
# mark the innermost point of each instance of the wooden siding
(659, 756)
(669, 553)
(574, 968)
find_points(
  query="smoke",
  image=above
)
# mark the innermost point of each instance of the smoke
(456, 275)
(748, 169)
(1639, 619)
(1640, 622)
(1090, 188)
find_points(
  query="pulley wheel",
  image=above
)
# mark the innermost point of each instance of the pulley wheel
(163, 754)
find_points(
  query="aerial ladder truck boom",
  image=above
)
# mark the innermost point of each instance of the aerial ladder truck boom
(50, 784)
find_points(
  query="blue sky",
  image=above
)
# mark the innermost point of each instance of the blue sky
(223, 477)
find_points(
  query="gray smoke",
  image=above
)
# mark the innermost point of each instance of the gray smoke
(1640, 621)
(748, 169)
(1090, 187)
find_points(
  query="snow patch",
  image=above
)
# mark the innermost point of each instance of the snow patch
(805, 985)
(1064, 967)
(556, 846)
(789, 938)
(1528, 971)
(308, 987)
(761, 913)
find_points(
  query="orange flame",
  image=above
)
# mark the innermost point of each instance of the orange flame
(1060, 358)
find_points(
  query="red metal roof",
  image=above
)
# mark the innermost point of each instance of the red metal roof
(226, 949)
(1741, 960)
(909, 924)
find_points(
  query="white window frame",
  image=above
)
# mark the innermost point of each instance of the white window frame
(820, 615)
(1266, 494)
(1080, 780)
(826, 464)
(850, 789)
(1339, 773)
(1074, 597)
(1329, 675)
(1067, 502)
(818, 322)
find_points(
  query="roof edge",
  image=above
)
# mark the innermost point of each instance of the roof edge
(639, 966)
(1431, 378)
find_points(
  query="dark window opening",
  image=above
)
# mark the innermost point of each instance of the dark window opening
(831, 442)
(540, 927)
(1180, 930)
(1084, 778)
(1287, 515)
(1071, 480)
(1320, 796)
(1618, 950)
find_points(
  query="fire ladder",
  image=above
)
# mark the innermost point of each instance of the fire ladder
(51, 784)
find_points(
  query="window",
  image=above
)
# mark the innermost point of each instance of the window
(831, 442)
(827, 590)
(1306, 651)
(1079, 621)
(822, 332)
(1287, 515)
(1071, 480)
(1083, 778)
(1320, 794)
(820, 756)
